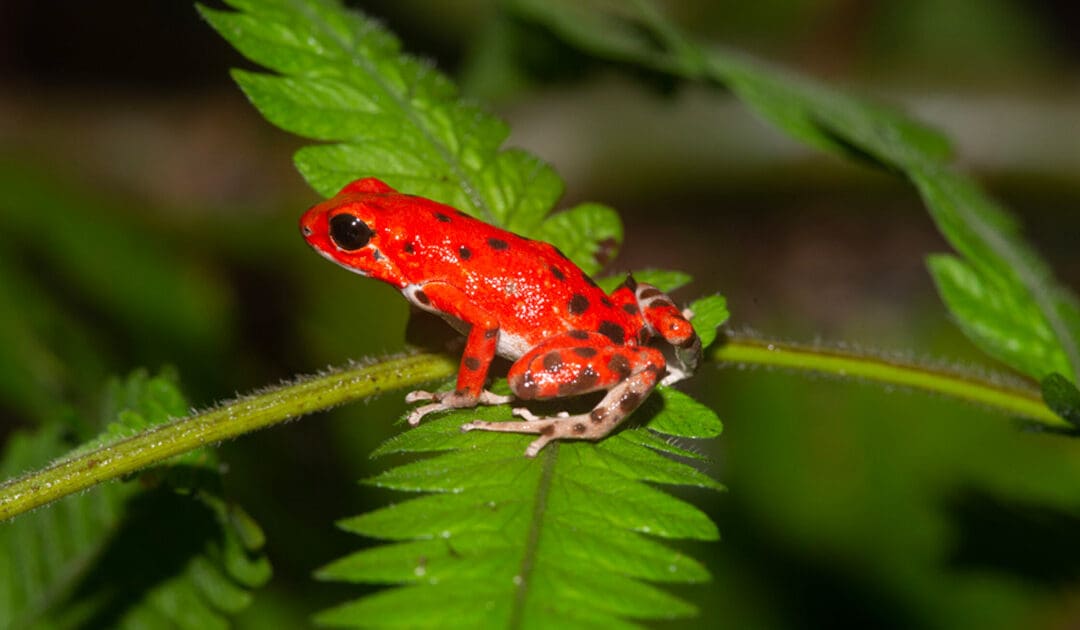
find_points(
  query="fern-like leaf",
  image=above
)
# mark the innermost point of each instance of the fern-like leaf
(499, 540)
(343, 80)
(94, 559)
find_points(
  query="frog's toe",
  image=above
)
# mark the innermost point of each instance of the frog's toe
(416, 415)
(525, 414)
(419, 395)
(674, 375)
(491, 398)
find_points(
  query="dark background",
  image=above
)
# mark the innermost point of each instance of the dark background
(846, 502)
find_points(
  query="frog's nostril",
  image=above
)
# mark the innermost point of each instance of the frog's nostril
(305, 230)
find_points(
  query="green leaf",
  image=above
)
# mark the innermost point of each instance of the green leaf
(343, 80)
(589, 232)
(710, 313)
(1005, 298)
(1003, 282)
(684, 417)
(497, 539)
(998, 318)
(105, 259)
(823, 117)
(95, 559)
(32, 375)
(1063, 397)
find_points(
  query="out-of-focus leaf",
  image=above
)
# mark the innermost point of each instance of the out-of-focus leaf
(1009, 303)
(128, 555)
(1002, 322)
(1063, 397)
(110, 263)
(1012, 281)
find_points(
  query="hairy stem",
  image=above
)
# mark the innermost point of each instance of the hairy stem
(1012, 399)
(237, 417)
(315, 393)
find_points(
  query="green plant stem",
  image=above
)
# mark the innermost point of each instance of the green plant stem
(1013, 399)
(315, 393)
(228, 420)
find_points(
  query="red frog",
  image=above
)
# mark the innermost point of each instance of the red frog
(515, 297)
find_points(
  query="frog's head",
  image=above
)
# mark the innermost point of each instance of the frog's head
(347, 230)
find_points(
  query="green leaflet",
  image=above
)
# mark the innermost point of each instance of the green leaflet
(709, 313)
(590, 232)
(1004, 324)
(1005, 277)
(343, 80)
(500, 540)
(1009, 274)
(95, 559)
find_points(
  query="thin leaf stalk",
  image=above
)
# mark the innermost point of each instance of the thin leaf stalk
(1011, 398)
(228, 420)
(315, 393)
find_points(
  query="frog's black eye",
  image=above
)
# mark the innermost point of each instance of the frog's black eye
(349, 233)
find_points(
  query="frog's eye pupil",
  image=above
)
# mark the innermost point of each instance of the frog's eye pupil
(349, 233)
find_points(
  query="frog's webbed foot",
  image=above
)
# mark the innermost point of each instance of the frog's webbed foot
(445, 401)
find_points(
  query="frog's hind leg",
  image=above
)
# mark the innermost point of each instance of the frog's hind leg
(578, 363)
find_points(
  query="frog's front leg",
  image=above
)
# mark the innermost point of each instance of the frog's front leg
(577, 363)
(663, 319)
(446, 300)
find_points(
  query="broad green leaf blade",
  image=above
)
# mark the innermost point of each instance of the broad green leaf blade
(92, 560)
(343, 80)
(494, 531)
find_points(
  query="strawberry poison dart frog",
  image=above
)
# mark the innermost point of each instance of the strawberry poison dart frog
(514, 297)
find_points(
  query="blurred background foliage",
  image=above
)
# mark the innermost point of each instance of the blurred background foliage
(148, 219)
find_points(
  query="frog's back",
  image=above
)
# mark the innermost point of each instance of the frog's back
(530, 286)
